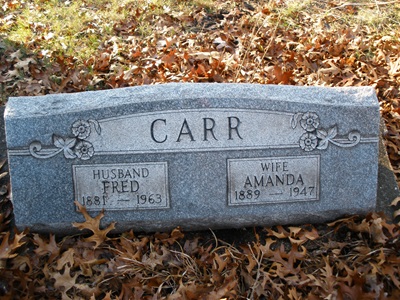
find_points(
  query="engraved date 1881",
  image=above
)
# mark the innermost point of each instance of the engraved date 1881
(94, 200)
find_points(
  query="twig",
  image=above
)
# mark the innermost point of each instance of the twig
(271, 40)
(258, 259)
(215, 237)
(245, 54)
(377, 4)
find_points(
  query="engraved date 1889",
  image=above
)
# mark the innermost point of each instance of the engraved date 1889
(247, 194)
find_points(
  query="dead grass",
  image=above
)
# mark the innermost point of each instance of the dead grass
(91, 45)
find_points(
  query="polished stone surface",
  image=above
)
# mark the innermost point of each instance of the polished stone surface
(194, 155)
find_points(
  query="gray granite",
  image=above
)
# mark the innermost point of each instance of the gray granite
(193, 155)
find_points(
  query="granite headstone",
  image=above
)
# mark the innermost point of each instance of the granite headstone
(193, 155)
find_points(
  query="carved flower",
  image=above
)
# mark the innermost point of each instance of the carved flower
(84, 150)
(309, 121)
(308, 141)
(81, 129)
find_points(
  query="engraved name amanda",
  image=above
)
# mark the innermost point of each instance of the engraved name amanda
(273, 179)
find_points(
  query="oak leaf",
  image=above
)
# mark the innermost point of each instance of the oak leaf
(172, 238)
(251, 257)
(266, 249)
(46, 247)
(65, 281)
(228, 289)
(67, 258)
(93, 224)
(396, 203)
(280, 234)
(9, 246)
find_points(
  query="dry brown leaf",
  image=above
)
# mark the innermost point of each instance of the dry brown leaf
(266, 249)
(396, 203)
(67, 258)
(9, 246)
(252, 259)
(65, 281)
(280, 234)
(93, 224)
(353, 258)
(46, 247)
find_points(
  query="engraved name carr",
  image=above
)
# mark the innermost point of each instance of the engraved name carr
(209, 125)
(194, 130)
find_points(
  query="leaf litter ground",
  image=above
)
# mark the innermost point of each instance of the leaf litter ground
(328, 43)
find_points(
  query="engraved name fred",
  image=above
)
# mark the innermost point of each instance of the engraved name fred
(273, 180)
(122, 186)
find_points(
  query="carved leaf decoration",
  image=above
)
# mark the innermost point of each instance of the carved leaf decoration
(322, 134)
(323, 144)
(96, 125)
(69, 153)
(93, 224)
(70, 142)
(294, 120)
(325, 137)
(66, 145)
(58, 141)
(324, 141)
(332, 132)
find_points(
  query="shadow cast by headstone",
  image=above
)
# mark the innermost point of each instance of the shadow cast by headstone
(387, 185)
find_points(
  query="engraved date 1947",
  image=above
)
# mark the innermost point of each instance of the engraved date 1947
(301, 191)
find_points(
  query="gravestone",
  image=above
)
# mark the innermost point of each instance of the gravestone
(197, 156)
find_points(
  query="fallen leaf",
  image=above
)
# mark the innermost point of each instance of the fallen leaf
(93, 224)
